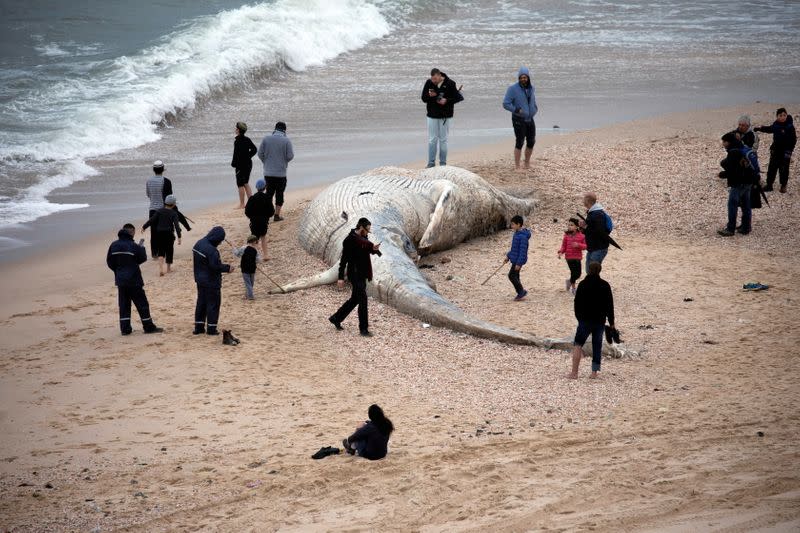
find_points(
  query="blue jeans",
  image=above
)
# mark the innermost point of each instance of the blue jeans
(596, 329)
(437, 135)
(595, 256)
(739, 196)
(249, 279)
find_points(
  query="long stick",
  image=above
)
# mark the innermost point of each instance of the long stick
(260, 270)
(493, 273)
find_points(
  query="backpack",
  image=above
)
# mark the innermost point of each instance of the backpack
(609, 223)
(749, 162)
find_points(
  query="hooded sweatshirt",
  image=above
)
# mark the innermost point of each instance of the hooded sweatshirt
(208, 267)
(518, 255)
(124, 257)
(784, 136)
(521, 101)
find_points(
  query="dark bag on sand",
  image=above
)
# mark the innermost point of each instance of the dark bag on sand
(228, 338)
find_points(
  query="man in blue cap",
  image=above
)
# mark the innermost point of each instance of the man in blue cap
(520, 100)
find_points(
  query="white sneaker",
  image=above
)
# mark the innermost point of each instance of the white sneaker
(567, 285)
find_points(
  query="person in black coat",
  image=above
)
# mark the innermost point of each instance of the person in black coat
(163, 222)
(243, 152)
(124, 257)
(740, 178)
(784, 139)
(440, 95)
(371, 439)
(208, 269)
(259, 209)
(594, 303)
(356, 250)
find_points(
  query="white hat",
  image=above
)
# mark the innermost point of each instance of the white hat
(170, 200)
(158, 163)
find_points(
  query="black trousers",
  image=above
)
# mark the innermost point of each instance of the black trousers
(513, 275)
(153, 238)
(207, 308)
(574, 269)
(357, 298)
(777, 165)
(164, 245)
(137, 296)
(524, 133)
(276, 187)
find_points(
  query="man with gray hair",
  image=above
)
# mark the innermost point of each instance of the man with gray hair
(744, 132)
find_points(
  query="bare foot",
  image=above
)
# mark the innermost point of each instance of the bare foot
(161, 273)
(239, 207)
(594, 375)
(519, 170)
(571, 376)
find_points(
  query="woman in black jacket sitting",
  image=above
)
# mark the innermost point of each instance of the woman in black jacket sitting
(371, 438)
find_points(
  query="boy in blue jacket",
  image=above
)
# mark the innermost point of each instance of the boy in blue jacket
(208, 269)
(520, 100)
(518, 255)
(124, 257)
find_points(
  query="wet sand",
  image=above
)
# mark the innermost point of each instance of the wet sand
(177, 432)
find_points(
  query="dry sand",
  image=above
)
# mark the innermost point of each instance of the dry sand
(177, 432)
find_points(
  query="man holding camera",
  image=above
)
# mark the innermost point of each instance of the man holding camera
(440, 95)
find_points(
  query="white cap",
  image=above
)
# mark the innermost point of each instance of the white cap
(170, 200)
(158, 163)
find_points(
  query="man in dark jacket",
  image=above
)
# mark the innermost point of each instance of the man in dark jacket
(259, 208)
(594, 303)
(784, 138)
(356, 250)
(440, 95)
(595, 229)
(124, 257)
(208, 269)
(740, 177)
(243, 152)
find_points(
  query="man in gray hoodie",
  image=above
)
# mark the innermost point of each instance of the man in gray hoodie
(520, 100)
(275, 153)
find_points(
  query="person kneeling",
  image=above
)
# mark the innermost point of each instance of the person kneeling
(371, 439)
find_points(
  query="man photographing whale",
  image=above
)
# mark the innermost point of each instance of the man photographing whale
(356, 251)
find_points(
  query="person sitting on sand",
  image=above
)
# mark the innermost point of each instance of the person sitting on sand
(259, 208)
(163, 221)
(518, 255)
(371, 439)
(594, 302)
(208, 269)
(124, 257)
(572, 246)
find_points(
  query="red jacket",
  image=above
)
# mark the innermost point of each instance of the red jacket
(568, 247)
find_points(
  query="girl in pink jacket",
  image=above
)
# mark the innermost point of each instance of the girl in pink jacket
(572, 247)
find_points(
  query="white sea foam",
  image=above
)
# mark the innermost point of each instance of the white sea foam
(32, 203)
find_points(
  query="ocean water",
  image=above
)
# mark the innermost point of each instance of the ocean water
(91, 92)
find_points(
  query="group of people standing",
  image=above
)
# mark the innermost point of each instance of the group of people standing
(742, 171)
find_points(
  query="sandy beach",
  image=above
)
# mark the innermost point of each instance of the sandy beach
(176, 432)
